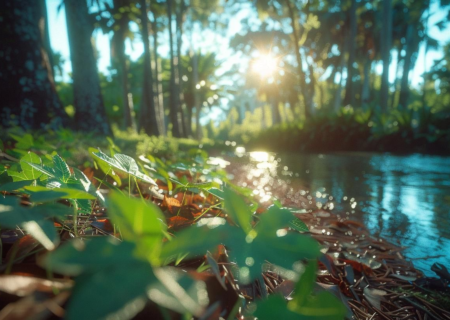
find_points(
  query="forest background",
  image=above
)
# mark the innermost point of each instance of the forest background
(257, 72)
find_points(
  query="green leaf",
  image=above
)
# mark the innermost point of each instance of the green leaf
(196, 240)
(16, 185)
(275, 307)
(298, 225)
(105, 166)
(140, 222)
(17, 176)
(61, 169)
(30, 172)
(238, 210)
(69, 193)
(217, 192)
(116, 293)
(24, 142)
(179, 292)
(30, 219)
(86, 256)
(50, 172)
(124, 163)
(305, 285)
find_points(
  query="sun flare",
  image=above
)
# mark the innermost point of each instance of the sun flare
(265, 66)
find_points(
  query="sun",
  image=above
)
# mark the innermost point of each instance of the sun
(265, 66)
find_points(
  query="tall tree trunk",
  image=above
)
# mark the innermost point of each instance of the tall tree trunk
(386, 43)
(179, 36)
(118, 54)
(173, 99)
(197, 104)
(365, 93)
(338, 94)
(158, 79)
(301, 74)
(149, 116)
(43, 25)
(349, 92)
(27, 90)
(425, 53)
(407, 66)
(90, 114)
(312, 88)
(395, 84)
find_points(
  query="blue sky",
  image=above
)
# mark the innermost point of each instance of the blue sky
(59, 41)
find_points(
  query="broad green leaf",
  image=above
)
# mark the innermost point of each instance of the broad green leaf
(30, 172)
(82, 179)
(321, 306)
(105, 166)
(30, 219)
(17, 176)
(81, 256)
(304, 285)
(124, 163)
(217, 192)
(69, 193)
(275, 307)
(16, 185)
(196, 240)
(61, 169)
(140, 222)
(238, 210)
(116, 292)
(50, 172)
(24, 142)
(46, 196)
(179, 292)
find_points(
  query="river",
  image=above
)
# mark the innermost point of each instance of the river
(403, 199)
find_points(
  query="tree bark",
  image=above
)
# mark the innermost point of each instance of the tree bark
(365, 94)
(179, 36)
(149, 116)
(386, 43)
(158, 79)
(349, 92)
(90, 114)
(27, 90)
(407, 65)
(118, 53)
(301, 74)
(173, 100)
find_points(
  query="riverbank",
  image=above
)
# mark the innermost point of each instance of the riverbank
(396, 133)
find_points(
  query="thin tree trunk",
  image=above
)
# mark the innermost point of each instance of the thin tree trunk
(43, 25)
(425, 54)
(407, 65)
(365, 94)
(158, 79)
(386, 43)
(301, 74)
(349, 91)
(90, 114)
(27, 90)
(197, 104)
(173, 94)
(338, 94)
(149, 116)
(395, 84)
(119, 56)
(179, 36)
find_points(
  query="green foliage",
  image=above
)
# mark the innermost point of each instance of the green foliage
(116, 278)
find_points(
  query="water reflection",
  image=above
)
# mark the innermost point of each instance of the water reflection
(404, 199)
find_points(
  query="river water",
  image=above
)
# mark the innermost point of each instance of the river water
(403, 199)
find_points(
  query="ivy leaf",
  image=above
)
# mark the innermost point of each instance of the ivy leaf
(105, 166)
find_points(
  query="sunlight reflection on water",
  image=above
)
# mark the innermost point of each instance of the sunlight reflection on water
(404, 199)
